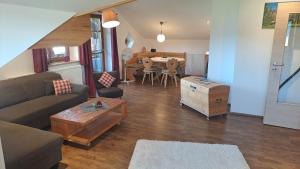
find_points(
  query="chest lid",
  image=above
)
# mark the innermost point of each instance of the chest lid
(202, 84)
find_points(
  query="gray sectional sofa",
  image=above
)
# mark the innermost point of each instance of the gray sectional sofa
(26, 104)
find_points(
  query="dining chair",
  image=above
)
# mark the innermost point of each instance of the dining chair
(171, 71)
(149, 69)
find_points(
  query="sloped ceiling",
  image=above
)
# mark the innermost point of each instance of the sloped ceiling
(20, 30)
(185, 19)
(25, 22)
(75, 6)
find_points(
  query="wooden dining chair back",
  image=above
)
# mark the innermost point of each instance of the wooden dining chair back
(172, 65)
(147, 62)
(148, 69)
(170, 71)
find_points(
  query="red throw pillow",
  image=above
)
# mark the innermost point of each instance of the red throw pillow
(106, 79)
(62, 87)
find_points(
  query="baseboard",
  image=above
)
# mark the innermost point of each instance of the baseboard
(247, 115)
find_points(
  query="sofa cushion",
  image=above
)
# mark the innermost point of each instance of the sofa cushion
(111, 92)
(34, 85)
(17, 90)
(35, 112)
(62, 87)
(29, 148)
(49, 88)
(11, 93)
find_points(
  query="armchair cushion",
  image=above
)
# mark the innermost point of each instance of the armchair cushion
(106, 79)
(97, 76)
(111, 92)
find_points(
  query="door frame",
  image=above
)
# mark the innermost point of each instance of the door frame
(276, 113)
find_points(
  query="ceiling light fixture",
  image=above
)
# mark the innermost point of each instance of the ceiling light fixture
(161, 37)
(110, 19)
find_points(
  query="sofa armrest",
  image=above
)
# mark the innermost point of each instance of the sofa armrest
(82, 90)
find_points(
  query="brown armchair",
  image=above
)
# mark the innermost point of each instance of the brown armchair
(111, 92)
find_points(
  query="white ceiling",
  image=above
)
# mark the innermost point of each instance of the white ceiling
(185, 19)
(63, 5)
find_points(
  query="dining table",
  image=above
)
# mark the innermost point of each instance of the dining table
(161, 61)
(165, 59)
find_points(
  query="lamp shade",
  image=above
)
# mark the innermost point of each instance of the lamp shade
(161, 37)
(110, 19)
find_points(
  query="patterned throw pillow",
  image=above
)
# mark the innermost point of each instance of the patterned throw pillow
(106, 79)
(62, 87)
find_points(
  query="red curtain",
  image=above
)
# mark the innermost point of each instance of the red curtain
(85, 51)
(114, 48)
(40, 61)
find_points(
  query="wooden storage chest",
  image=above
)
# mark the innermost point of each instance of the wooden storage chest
(207, 97)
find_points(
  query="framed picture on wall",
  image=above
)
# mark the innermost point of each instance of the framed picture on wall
(269, 18)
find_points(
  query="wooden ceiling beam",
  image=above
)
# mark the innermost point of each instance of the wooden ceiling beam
(121, 2)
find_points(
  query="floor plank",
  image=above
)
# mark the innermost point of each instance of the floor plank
(155, 113)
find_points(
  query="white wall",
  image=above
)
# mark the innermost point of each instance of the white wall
(179, 45)
(2, 162)
(19, 66)
(194, 49)
(22, 26)
(74, 53)
(252, 60)
(223, 40)
(122, 31)
(72, 71)
(249, 69)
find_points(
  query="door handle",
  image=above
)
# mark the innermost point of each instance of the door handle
(275, 65)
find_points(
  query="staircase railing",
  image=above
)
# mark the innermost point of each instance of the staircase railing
(289, 78)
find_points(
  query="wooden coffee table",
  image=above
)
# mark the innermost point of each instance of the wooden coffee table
(81, 126)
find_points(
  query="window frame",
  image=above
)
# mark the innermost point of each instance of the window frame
(99, 16)
(58, 59)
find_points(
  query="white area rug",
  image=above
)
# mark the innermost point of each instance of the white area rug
(183, 155)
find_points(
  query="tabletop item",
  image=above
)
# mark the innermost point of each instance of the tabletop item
(86, 107)
(99, 104)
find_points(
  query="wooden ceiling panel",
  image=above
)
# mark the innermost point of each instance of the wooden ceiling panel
(74, 32)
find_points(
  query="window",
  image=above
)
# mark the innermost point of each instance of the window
(59, 51)
(289, 29)
(58, 54)
(97, 45)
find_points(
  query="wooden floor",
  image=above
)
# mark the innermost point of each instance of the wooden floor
(154, 113)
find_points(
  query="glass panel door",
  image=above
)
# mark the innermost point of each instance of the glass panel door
(289, 88)
(283, 97)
